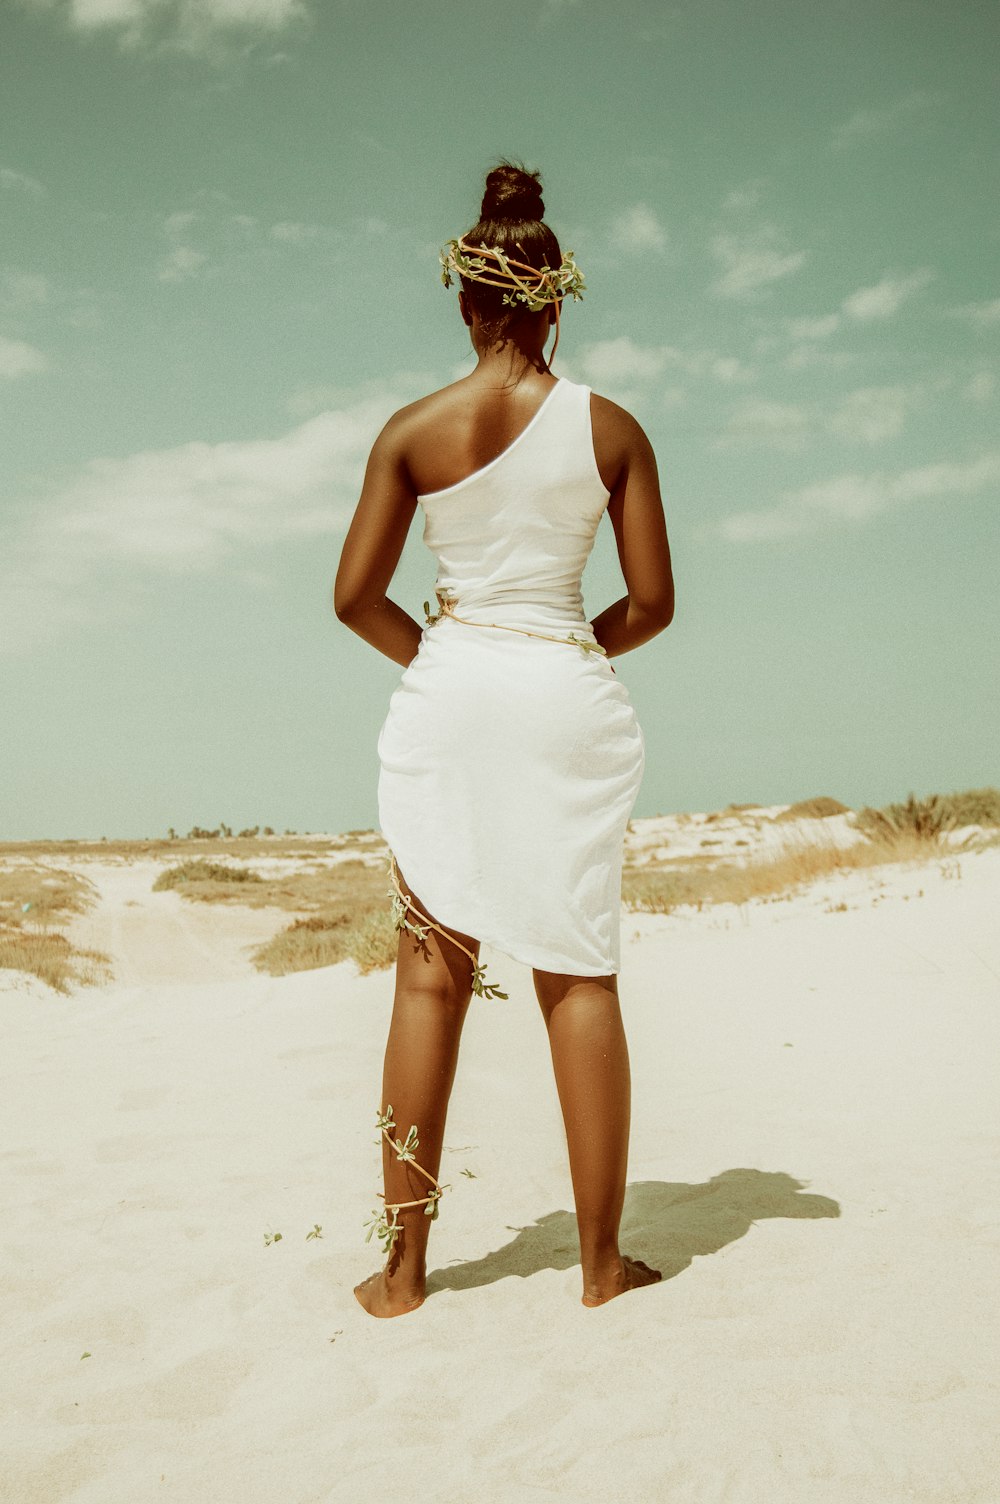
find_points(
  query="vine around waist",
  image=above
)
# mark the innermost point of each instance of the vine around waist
(446, 608)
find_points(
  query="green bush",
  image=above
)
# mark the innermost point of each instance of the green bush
(203, 872)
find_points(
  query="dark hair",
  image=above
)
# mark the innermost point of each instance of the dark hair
(511, 217)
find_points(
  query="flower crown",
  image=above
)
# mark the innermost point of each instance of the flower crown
(527, 284)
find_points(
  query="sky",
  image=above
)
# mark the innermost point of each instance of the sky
(219, 228)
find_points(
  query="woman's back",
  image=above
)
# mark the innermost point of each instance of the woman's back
(512, 535)
(457, 430)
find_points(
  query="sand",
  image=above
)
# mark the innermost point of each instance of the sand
(813, 1165)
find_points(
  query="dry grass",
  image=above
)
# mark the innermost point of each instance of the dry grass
(46, 893)
(820, 808)
(936, 815)
(50, 956)
(345, 886)
(344, 911)
(209, 881)
(366, 937)
(660, 890)
(32, 899)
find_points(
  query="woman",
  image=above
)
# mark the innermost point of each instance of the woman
(511, 756)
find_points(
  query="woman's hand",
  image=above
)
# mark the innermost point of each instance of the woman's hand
(627, 466)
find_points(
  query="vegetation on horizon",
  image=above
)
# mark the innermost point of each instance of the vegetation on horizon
(340, 908)
(916, 831)
(936, 815)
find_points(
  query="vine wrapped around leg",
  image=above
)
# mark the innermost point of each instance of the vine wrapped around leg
(388, 1229)
(402, 909)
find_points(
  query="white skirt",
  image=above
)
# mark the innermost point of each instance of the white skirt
(509, 767)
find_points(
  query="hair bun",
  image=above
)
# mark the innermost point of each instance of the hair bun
(513, 194)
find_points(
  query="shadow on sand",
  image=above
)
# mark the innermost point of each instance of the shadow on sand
(666, 1224)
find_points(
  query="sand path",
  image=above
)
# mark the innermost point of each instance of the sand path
(158, 938)
(814, 1165)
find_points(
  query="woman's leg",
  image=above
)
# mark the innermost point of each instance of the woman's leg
(433, 990)
(590, 1059)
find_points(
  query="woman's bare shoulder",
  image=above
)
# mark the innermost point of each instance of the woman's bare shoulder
(436, 406)
(614, 422)
(620, 441)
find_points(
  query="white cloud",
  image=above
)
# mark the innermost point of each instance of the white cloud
(751, 262)
(193, 26)
(184, 508)
(780, 425)
(222, 229)
(807, 356)
(270, 15)
(182, 263)
(884, 298)
(855, 498)
(636, 375)
(863, 125)
(820, 327)
(617, 360)
(869, 415)
(729, 369)
(87, 14)
(622, 361)
(746, 197)
(292, 232)
(981, 388)
(19, 359)
(872, 414)
(177, 223)
(20, 182)
(982, 315)
(639, 229)
(21, 288)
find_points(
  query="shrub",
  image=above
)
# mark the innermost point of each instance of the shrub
(820, 808)
(41, 894)
(924, 819)
(933, 817)
(368, 938)
(203, 872)
(51, 957)
(975, 806)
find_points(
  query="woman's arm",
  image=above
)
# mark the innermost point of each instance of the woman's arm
(628, 468)
(371, 552)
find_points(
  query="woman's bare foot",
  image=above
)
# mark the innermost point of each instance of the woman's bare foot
(632, 1274)
(382, 1297)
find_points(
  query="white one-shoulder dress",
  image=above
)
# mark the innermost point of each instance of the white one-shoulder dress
(509, 761)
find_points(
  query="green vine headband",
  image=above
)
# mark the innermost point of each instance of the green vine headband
(526, 284)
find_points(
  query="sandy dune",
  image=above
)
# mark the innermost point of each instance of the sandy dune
(814, 1166)
(160, 937)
